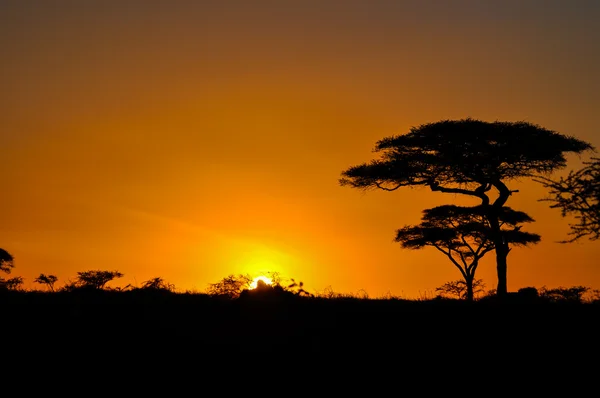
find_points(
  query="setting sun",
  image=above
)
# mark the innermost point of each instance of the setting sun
(254, 283)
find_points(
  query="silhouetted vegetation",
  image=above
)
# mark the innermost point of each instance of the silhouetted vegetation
(272, 319)
(154, 326)
(235, 286)
(231, 286)
(6, 261)
(468, 157)
(574, 294)
(48, 280)
(231, 320)
(461, 290)
(94, 279)
(464, 236)
(578, 194)
(15, 283)
(158, 284)
(6, 265)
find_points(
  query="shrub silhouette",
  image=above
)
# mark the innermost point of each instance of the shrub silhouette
(572, 294)
(230, 287)
(15, 283)
(158, 284)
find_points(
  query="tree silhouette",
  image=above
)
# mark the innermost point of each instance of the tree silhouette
(12, 283)
(464, 235)
(158, 284)
(468, 157)
(231, 286)
(96, 279)
(578, 194)
(572, 294)
(48, 280)
(6, 261)
(458, 288)
(297, 288)
(6, 265)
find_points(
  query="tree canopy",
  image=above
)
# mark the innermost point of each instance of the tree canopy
(96, 279)
(464, 235)
(457, 228)
(48, 280)
(465, 154)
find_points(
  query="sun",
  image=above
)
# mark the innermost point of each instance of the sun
(266, 280)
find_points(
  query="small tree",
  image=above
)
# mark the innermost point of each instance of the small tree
(48, 280)
(96, 279)
(231, 286)
(15, 283)
(6, 261)
(578, 194)
(464, 235)
(458, 288)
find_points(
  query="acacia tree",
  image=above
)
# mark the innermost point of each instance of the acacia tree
(463, 235)
(96, 279)
(48, 280)
(469, 157)
(578, 195)
(12, 283)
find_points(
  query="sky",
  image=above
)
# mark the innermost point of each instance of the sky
(195, 140)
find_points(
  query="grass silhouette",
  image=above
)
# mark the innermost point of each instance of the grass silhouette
(271, 320)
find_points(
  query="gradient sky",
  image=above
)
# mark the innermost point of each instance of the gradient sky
(193, 140)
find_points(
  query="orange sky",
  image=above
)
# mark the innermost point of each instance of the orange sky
(193, 140)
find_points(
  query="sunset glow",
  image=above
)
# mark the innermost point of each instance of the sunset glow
(266, 280)
(195, 140)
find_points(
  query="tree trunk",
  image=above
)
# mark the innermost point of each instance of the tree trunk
(469, 281)
(501, 249)
(501, 267)
(501, 245)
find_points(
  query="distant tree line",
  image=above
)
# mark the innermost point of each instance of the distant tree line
(233, 287)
